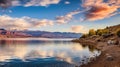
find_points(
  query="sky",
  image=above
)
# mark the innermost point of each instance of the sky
(59, 15)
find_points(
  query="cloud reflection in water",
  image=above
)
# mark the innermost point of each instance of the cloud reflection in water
(66, 51)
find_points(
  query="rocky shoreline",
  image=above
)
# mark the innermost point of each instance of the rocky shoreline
(110, 54)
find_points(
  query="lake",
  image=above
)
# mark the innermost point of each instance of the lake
(44, 52)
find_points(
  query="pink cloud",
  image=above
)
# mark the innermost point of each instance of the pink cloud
(77, 28)
(98, 9)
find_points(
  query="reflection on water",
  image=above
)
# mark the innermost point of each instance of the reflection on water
(43, 53)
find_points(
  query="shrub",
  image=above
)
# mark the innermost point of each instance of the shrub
(105, 31)
(92, 32)
(102, 32)
(99, 32)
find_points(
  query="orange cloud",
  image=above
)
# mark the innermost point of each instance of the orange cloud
(77, 29)
(99, 9)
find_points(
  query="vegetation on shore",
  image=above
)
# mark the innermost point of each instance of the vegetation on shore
(112, 32)
(103, 32)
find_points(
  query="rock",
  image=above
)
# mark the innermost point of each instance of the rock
(109, 58)
(92, 59)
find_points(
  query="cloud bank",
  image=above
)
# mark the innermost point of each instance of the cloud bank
(23, 23)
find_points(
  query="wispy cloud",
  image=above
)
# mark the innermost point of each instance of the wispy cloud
(67, 2)
(22, 23)
(66, 18)
(27, 3)
(41, 2)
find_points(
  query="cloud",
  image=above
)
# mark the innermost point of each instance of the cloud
(26, 3)
(93, 9)
(16, 2)
(5, 3)
(41, 2)
(67, 2)
(67, 17)
(22, 23)
(77, 28)
(100, 9)
(8, 3)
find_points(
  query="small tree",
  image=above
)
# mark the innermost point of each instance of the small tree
(92, 32)
(99, 32)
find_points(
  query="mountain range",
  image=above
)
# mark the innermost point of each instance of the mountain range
(43, 34)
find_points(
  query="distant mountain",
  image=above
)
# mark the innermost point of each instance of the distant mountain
(44, 34)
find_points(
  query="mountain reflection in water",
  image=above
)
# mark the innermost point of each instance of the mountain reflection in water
(43, 53)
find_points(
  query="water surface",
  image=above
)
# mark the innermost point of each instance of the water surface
(43, 52)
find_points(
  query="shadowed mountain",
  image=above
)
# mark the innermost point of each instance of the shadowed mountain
(47, 34)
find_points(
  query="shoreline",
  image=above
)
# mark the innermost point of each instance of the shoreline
(110, 54)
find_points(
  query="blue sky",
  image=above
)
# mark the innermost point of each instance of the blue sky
(59, 15)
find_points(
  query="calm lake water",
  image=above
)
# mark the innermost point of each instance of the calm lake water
(43, 52)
